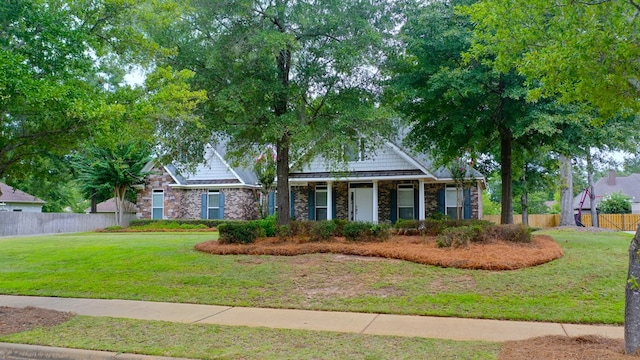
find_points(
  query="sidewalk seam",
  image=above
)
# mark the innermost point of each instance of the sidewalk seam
(212, 315)
(369, 324)
(564, 329)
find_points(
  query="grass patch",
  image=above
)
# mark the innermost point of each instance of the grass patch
(204, 341)
(584, 286)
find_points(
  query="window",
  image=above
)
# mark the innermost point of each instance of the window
(213, 204)
(451, 202)
(157, 205)
(321, 203)
(405, 202)
(355, 152)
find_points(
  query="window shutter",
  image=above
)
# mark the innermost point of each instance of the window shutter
(221, 206)
(441, 201)
(272, 203)
(312, 205)
(203, 208)
(416, 201)
(292, 203)
(467, 204)
(394, 206)
(333, 203)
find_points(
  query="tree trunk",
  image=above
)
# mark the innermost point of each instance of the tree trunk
(566, 192)
(524, 199)
(119, 193)
(506, 173)
(282, 171)
(632, 299)
(94, 202)
(592, 194)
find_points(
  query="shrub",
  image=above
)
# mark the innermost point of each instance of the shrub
(339, 230)
(301, 228)
(615, 203)
(460, 236)
(364, 231)
(208, 223)
(240, 232)
(283, 231)
(268, 224)
(514, 233)
(322, 230)
(113, 228)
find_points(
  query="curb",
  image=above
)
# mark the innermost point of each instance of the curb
(10, 351)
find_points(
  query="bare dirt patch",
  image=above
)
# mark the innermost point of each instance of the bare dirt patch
(495, 255)
(565, 348)
(14, 320)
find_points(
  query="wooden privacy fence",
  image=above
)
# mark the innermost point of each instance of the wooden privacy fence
(620, 222)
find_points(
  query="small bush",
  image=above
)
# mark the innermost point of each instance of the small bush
(364, 231)
(322, 230)
(460, 236)
(301, 228)
(283, 231)
(268, 224)
(512, 233)
(339, 230)
(208, 223)
(240, 232)
(113, 228)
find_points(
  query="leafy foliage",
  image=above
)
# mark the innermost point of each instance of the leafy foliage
(112, 169)
(285, 73)
(244, 232)
(615, 203)
(576, 51)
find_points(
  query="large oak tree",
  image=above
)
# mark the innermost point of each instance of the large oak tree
(300, 75)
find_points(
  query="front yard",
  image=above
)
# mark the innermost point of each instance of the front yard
(586, 285)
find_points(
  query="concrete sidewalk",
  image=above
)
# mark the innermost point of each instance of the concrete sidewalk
(369, 324)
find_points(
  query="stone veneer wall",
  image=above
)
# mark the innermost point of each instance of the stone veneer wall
(239, 204)
(158, 179)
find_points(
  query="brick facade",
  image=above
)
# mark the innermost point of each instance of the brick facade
(239, 204)
(341, 194)
(242, 203)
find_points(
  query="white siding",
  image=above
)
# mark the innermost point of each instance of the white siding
(214, 168)
(21, 207)
(384, 158)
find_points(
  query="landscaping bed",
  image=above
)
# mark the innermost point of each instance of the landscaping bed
(494, 255)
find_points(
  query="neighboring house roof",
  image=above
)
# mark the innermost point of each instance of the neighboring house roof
(628, 185)
(109, 206)
(215, 171)
(13, 195)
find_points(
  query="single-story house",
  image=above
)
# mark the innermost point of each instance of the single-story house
(16, 200)
(627, 185)
(383, 186)
(109, 206)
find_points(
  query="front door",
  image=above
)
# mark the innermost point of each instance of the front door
(361, 203)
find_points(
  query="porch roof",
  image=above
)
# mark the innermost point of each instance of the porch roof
(360, 175)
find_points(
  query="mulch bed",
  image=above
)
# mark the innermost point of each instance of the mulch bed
(495, 255)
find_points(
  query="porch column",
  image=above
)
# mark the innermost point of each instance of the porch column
(329, 200)
(421, 199)
(375, 202)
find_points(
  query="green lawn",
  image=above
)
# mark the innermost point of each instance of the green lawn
(585, 286)
(201, 341)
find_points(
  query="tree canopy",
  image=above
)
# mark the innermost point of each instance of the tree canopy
(289, 73)
(576, 51)
(457, 108)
